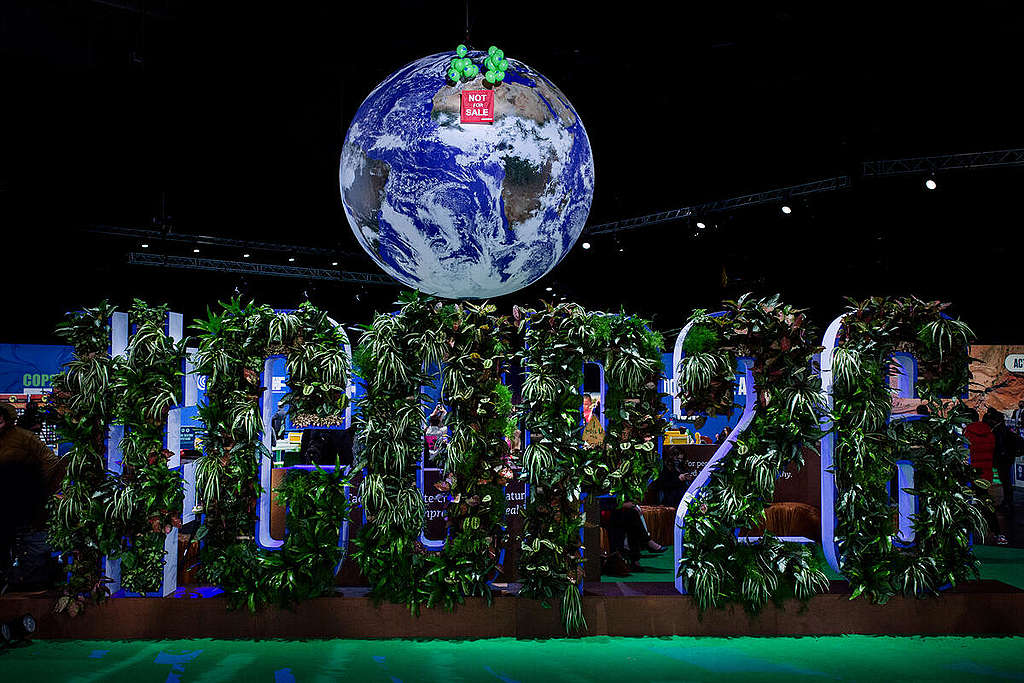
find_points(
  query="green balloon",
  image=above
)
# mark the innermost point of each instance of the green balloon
(462, 50)
(502, 64)
(499, 55)
(489, 65)
(492, 49)
(490, 77)
(453, 75)
(501, 76)
(470, 71)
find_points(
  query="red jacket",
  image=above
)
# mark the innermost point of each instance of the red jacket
(982, 444)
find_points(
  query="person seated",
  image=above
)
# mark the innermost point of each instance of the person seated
(625, 523)
(674, 478)
(29, 474)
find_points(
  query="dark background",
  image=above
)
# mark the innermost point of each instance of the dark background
(232, 115)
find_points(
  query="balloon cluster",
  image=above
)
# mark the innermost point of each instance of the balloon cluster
(463, 68)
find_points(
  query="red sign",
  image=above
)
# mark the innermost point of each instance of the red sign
(477, 106)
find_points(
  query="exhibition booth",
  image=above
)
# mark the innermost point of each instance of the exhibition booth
(461, 467)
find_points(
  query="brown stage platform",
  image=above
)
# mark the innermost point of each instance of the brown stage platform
(614, 609)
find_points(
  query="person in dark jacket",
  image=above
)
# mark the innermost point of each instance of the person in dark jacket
(674, 478)
(1004, 452)
(29, 474)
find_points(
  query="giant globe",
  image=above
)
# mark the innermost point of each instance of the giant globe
(466, 210)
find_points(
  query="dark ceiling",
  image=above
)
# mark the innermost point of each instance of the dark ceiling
(233, 115)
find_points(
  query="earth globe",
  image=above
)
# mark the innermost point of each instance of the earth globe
(466, 210)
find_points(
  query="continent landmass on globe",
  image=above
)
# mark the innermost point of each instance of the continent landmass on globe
(466, 210)
(524, 183)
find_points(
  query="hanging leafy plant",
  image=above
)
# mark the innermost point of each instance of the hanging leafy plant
(702, 337)
(232, 346)
(391, 356)
(304, 566)
(628, 458)
(318, 366)
(85, 519)
(707, 370)
(558, 339)
(716, 568)
(146, 384)
(476, 461)
(867, 447)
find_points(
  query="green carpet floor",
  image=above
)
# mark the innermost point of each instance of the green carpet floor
(998, 563)
(788, 660)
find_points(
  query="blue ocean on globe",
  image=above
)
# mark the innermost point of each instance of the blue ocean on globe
(466, 210)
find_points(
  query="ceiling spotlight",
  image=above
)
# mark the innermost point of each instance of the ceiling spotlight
(786, 209)
(144, 245)
(245, 256)
(291, 259)
(621, 249)
(930, 184)
(334, 263)
(195, 251)
(586, 245)
(700, 225)
(547, 289)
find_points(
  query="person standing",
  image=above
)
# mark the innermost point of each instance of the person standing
(981, 443)
(1004, 453)
(1018, 418)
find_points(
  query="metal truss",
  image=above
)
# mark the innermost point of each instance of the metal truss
(261, 269)
(946, 162)
(143, 8)
(768, 197)
(213, 240)
(870, 169)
